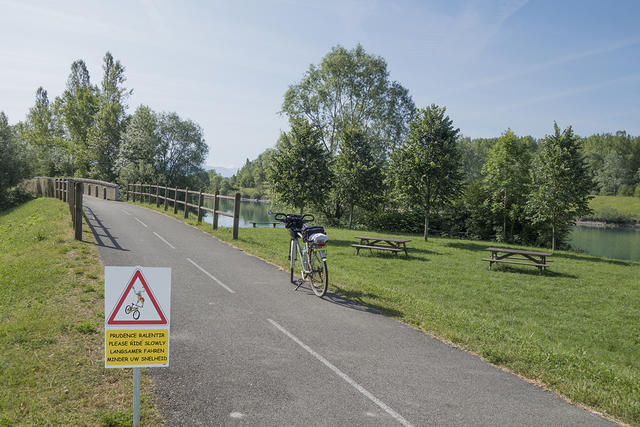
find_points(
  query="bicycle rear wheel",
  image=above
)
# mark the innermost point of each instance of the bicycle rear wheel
(318, 276)
(292, 256)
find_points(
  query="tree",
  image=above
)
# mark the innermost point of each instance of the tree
(161, 148)
(351, 88)
(109, 120)
(12, 164)
(139, 152)
(359, 179)
(612, 174)
(426, 168)
(560, 183)
(506, 178)
(77, 107)
(298, 173)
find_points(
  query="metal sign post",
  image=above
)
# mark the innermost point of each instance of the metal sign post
(137, 310)
(136, 396)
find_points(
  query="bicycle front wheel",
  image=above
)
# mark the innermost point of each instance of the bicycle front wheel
(292, 256)
(318, 276)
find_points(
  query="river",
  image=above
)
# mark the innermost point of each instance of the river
(249, 212)
(610, 242)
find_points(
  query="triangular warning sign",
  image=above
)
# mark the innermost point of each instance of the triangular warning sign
(136, 312)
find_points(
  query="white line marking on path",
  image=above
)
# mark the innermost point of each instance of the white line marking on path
(125, 212)
(211, 276)
(161, 238)
(344, 376)
(140, 221)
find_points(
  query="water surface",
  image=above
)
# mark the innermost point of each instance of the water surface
(610, 242)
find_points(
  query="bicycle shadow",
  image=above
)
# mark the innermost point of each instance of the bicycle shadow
(353, 300)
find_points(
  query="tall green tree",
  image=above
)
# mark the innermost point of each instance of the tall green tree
(560, 183)
(359, 178)
(299, 172)
(77, 107)
(351, 88)
(109, 120)
(12, 163)
(139, 152)
(613, 174)
(161, 148)
(47, 151)
(426, 168)
(507, 178)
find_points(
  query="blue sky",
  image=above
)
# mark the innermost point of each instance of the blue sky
(226, 65)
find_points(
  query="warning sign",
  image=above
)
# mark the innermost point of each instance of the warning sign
(135, 347)
(137, 316)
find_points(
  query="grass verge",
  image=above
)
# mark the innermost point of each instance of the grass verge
(52, 326)
(575, 328)
(615, 209)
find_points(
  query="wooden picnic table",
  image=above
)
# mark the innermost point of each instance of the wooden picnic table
(263, 223)
(381, 243)
(507, 255)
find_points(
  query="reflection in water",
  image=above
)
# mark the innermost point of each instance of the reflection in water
(614, 242)
(249, 212)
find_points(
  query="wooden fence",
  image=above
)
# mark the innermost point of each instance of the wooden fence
(184, 197)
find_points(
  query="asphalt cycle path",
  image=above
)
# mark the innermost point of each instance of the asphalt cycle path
(247, 349)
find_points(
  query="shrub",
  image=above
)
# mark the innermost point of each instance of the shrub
(13, 197)
(626, 190)
(394, 221)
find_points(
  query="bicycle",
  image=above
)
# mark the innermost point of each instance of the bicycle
(313, 257)
(135, 308)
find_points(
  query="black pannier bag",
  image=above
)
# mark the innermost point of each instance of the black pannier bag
(310, 230)
(294, 224)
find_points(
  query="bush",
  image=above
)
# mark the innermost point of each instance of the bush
(636, 192)
(394, 221)
(626, 190)
(13, 197)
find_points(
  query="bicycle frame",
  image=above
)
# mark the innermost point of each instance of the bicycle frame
(294, 246)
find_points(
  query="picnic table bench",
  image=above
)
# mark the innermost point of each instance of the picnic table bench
(381, 243)
(506, 255)
(264, 223)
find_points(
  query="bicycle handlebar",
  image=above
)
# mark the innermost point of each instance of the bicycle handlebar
(289, 218)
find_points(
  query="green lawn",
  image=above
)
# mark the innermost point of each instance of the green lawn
(52, 326)
(615, 208)
(575, 328)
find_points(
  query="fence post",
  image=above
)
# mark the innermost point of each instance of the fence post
(165, 197)
(200, 200)
(236, 216)
(216, 206)
(175, 200)
(65, 189)
(71, 195)
(186, 202)
(128, 185)
(78, 209)
(157, 195)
